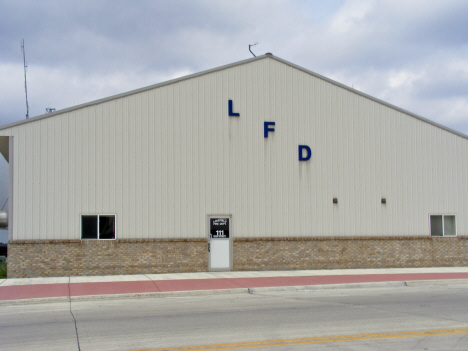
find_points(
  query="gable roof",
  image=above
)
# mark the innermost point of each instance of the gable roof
(195, 75)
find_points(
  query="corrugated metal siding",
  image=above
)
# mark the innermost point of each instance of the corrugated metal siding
(163, 159)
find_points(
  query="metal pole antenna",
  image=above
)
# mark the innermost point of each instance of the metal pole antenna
(250, 45)
(25, 85)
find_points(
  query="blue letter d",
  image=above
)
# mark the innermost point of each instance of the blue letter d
(301, 153)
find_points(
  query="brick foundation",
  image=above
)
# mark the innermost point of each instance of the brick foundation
(360, 252)
(98, 257)
(145, 256)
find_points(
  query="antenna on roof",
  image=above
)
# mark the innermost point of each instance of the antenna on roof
(25, 85)
(250, 45)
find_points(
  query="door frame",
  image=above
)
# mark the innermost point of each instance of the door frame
(208, 238)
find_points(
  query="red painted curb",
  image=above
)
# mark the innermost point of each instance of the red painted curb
(19, 292)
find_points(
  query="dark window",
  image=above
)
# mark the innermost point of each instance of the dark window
(89, 227)
(219, 227)
(98, 227)
(443, 225)
(106, 227)
(449, 226)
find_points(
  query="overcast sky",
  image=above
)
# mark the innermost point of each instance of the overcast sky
(413, 54)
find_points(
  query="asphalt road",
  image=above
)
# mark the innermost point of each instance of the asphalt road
(402, 318)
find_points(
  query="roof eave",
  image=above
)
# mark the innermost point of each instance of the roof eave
(131, 92)
(238, 63)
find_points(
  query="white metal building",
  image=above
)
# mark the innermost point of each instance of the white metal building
(309, 173)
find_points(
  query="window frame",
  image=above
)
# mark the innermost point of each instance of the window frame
(443, 215)
(97, 219)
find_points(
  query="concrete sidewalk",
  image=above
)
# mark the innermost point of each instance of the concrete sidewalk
(90, 287)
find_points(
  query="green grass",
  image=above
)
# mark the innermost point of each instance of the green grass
(3, 270)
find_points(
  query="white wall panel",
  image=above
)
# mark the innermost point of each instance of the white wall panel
(164, 158)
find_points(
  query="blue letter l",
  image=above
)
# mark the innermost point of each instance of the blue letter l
(230, 110)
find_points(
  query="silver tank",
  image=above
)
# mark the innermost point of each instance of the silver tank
(3, 219)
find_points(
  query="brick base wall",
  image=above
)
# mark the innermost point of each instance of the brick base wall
(92, 257)
(98, 257)
(362, 252)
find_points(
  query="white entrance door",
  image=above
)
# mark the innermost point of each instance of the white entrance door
(219, 244)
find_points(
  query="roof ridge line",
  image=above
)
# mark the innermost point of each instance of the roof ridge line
(219, 68)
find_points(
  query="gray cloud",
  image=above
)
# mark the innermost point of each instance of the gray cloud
(413, 54)
(410, 53)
